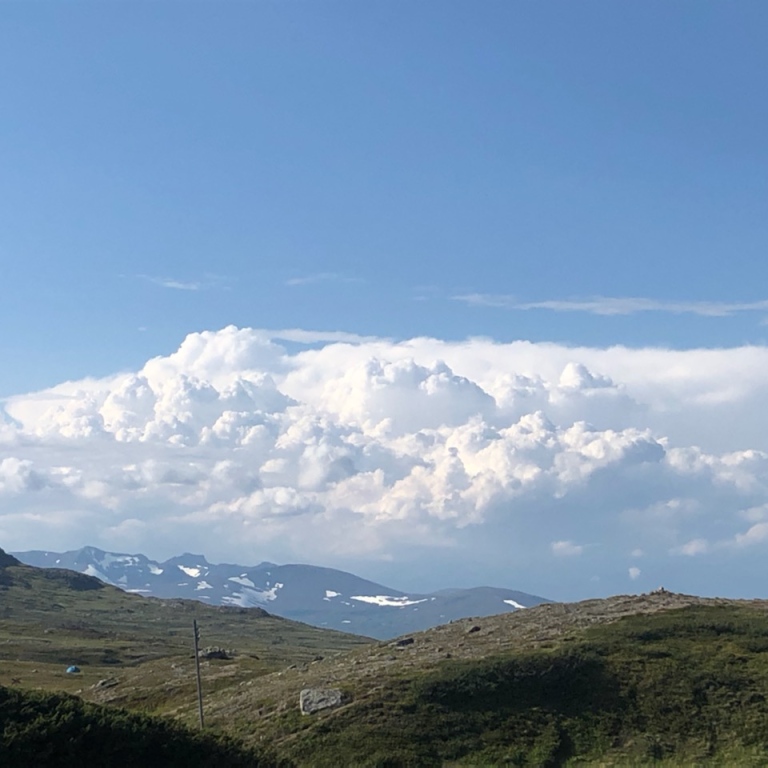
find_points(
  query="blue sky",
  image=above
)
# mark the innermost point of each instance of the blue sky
(386, 158)
(582, 184)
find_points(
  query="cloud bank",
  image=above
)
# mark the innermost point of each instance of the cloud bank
(500, 458)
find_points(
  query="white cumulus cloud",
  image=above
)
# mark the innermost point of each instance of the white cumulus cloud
(420, 450)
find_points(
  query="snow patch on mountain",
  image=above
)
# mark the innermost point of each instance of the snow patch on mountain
(243, 580)
(91, 570)
(252, 596)
(107, 560)
(273, 592)
(397, 602)
(306, 597)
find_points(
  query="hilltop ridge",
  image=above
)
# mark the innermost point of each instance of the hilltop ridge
(7, 560)
(476, 638)
(624, 680)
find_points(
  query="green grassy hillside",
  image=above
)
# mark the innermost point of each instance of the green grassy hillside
(61, 731)
(658, 679)
(52, 618)
(680, 687)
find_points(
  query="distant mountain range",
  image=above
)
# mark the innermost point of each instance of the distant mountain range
(323, 597)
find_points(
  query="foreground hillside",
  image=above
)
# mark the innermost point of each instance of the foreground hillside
(624, 681)
(632, 680)
(62, 731)
(51, 619)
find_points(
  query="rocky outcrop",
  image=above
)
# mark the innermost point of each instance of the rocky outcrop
(316, 699)
(216, 653)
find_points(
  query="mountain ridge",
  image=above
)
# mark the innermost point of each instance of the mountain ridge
(320, 596)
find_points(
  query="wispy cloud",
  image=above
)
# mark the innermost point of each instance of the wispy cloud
(322, 277)
(207, 282)
(301, 336)
(757, 534)
(692, 548)
(607, 305)
(566, 548)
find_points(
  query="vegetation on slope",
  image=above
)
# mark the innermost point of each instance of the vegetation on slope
(67, 617)
(58, 730)
(686, 687)
(51, 618)
(660, 678)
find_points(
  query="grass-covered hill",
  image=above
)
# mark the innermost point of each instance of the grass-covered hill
(659, 679)
(63, 731)
(50, 619)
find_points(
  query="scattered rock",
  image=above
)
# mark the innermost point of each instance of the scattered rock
(216, 653)
(107, 682)
(316, 699)
(474, 628)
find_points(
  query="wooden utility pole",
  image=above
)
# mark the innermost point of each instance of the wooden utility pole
(197, 669)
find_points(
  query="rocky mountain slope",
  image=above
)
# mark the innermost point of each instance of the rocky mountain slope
(323, 597)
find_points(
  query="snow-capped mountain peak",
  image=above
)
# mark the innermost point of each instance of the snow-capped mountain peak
(321, 596)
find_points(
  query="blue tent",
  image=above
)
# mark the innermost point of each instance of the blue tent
(73, 670)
